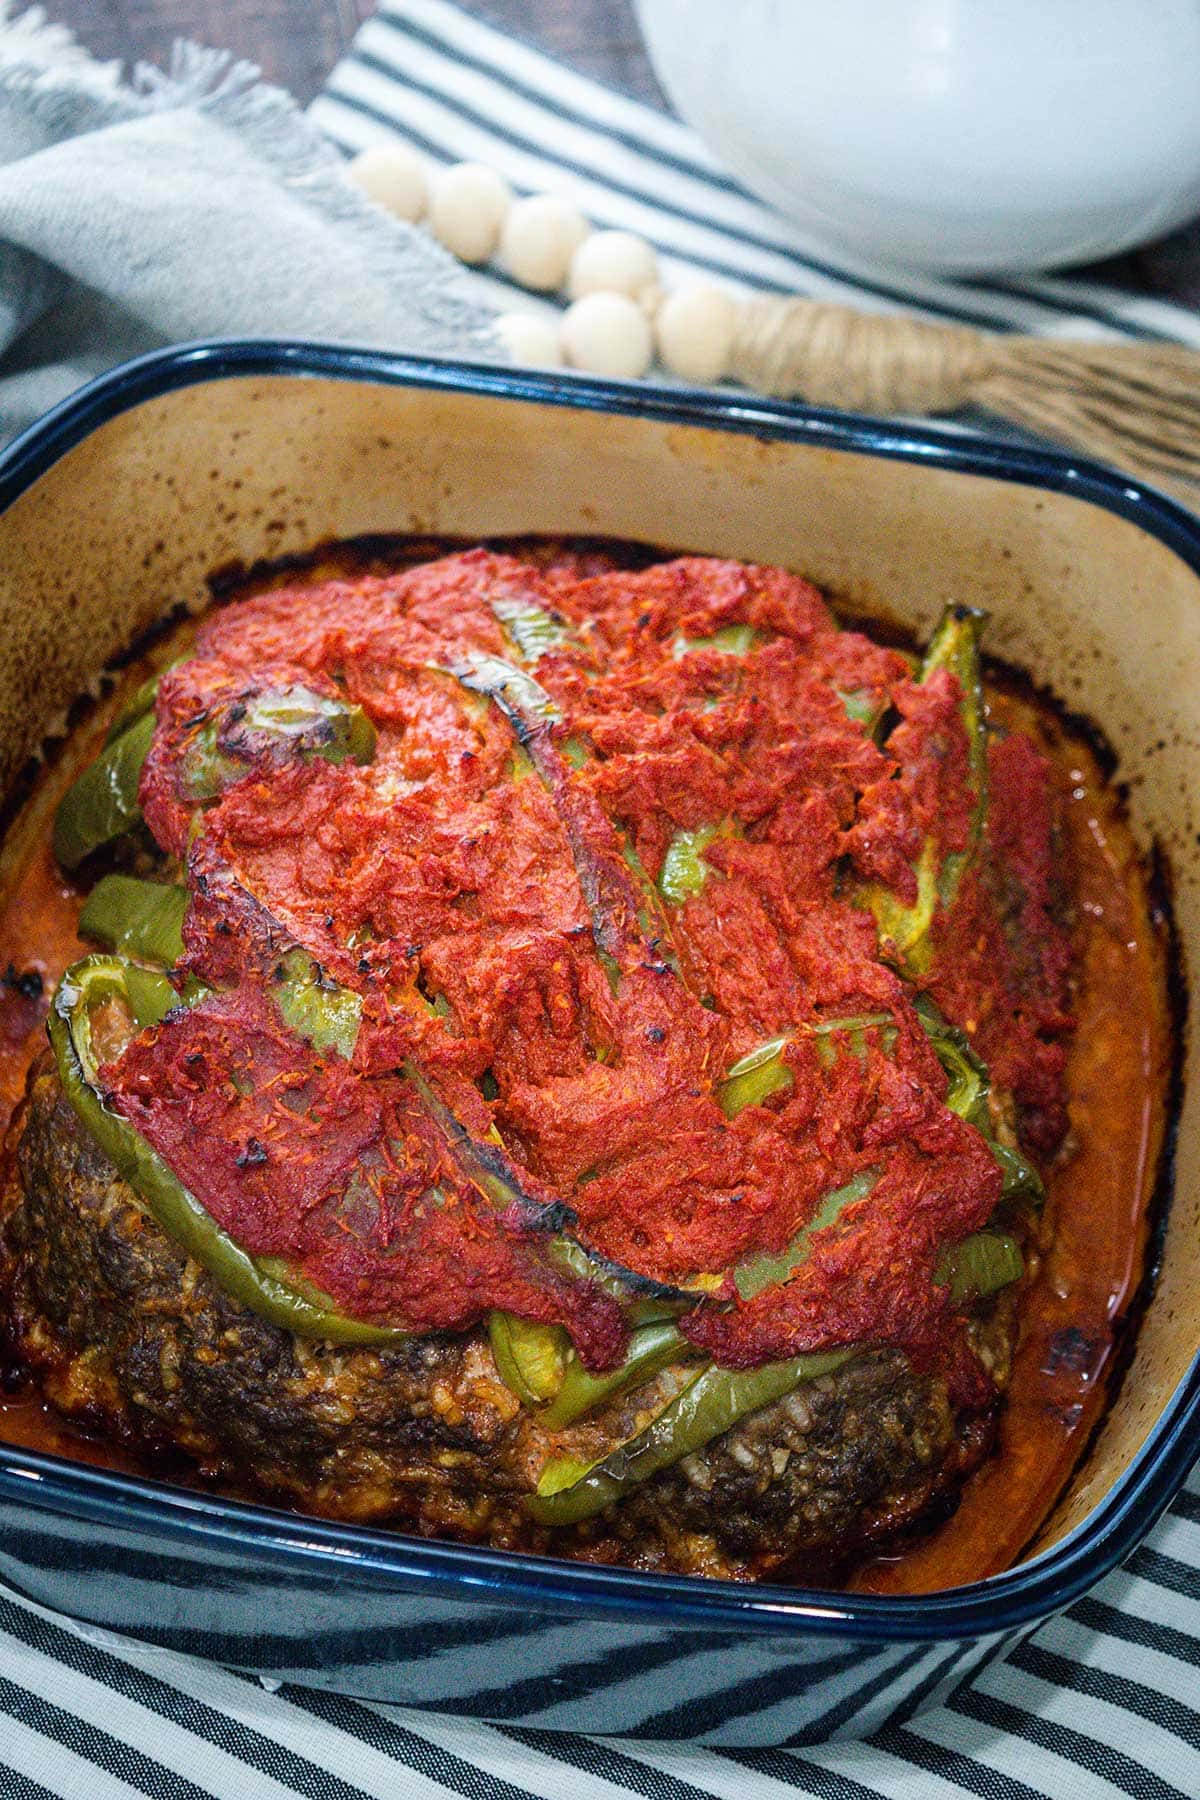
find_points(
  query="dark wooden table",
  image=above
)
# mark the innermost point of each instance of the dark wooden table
(297, 42)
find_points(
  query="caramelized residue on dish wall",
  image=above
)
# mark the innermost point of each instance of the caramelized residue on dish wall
(1099, 1196)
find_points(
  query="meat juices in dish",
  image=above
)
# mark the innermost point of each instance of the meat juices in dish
(614, 1037)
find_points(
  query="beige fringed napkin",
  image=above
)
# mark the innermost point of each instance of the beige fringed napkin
(197, 203)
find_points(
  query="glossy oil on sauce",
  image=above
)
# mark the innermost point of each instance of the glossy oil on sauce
(1099, 1196)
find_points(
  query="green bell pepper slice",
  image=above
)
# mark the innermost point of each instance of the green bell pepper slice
(139, 703)
(610, 899)
(711, 1403)
(102, 804)
(531, 1358)
(755, 1077)
(763, 1071)
(967, 1095)
(684, 871)
(523, 701)
(652, 922)
(955, 646)
(730, 640)
(645, 1299)
(768, 1267)
(863, 705)
(1020, 1179)
(144, 919)
(148, 998)
(314, 1006)
(968, 1085)
(141, 919)
(572, 1390)
(489, 1170)
(713, 1400)
(905, 930)
(979, 1265)
(531, 630)
(651, 1349)
(973, 1268)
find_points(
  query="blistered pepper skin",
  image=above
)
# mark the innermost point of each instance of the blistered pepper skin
(102, 805)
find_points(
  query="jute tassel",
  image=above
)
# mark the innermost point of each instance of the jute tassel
(1135, 405)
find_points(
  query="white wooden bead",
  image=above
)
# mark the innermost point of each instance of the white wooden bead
(650, 299)
(531, 341)
(394, 176)
(467, 207)
(612, 262)
(694, 330)
(540, 235)
(607, 334)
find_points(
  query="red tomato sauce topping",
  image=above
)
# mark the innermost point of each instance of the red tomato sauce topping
(571, 896)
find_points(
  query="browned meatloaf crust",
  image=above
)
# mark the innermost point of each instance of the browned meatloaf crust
(135, 1342)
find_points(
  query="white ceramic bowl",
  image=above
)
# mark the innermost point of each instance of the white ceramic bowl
(965, 136)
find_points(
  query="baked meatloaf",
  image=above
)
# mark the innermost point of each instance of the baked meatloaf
(577, 1078)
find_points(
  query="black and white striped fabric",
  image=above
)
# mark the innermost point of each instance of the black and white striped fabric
(455, 89)
(1103, 1702)
(1100, 1704)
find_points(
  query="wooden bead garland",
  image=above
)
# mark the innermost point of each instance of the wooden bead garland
(1137, 405)
(538, 239)
(619, 314)
(393, 176)
(530, 339)
(612, 262)
(607, 334)
(694, 330)
(467, 208)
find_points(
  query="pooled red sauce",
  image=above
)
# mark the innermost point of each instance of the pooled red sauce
(441, 872)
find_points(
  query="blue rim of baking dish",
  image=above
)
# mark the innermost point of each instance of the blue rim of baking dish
(1002, 1603)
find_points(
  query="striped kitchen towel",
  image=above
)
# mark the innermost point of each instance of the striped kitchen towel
(1100, 1703)
(455, 89)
